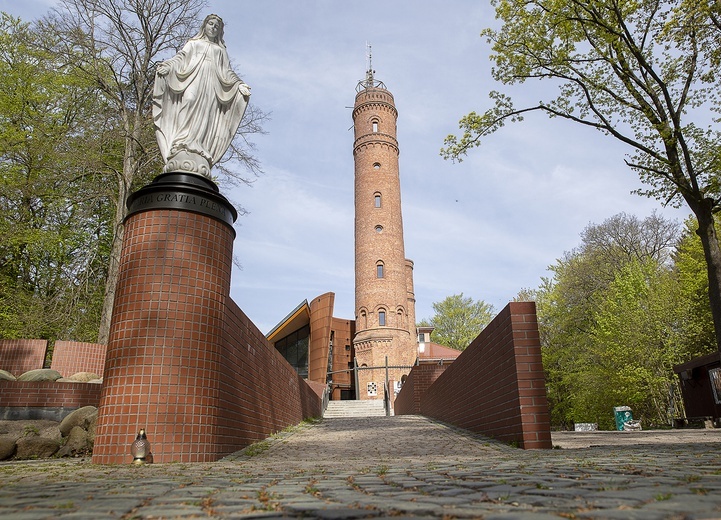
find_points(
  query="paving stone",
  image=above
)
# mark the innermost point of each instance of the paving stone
(341, 513)
(625, 514)
(524, 515)
(451, 473)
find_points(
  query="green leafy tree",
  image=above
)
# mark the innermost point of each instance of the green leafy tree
(52, 254)
(458, 320)
(608, 318)
(644, 73)
(695, 334)
(633, 349)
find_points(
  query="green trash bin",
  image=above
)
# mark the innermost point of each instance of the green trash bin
(623, 414)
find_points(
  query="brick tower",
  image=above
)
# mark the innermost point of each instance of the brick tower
(384, 299)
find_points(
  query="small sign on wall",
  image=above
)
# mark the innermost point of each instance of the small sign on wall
(372, 389)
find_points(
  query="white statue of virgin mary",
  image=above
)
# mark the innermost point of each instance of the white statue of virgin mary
(198, 102)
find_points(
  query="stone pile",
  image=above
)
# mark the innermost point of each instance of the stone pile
(47, 374)
(74, 436)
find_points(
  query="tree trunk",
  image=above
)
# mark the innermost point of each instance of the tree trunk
(707, 231)
(121, 211)
(113, 263)
(110, 282)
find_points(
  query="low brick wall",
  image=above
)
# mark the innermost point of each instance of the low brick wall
(71, 357)
(408, 400)
(18, 356)
(20, 400)
(260, 393)
(496, 387)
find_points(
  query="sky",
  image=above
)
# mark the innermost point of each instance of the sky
(486, 227)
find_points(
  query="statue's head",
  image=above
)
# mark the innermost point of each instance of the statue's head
(212, 29)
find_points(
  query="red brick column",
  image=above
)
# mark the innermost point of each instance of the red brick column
(164, 351)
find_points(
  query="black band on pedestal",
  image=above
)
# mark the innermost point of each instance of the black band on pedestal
(186, 192)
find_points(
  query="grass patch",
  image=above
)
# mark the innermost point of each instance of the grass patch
(257, 448)
(30, 429)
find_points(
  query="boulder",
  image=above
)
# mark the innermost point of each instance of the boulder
(83, 417)
(91, 430)
(39, 440)
(7, 447)
(40, 374)
(17, 429)
(26, 435)
(6, 376)
(51, 431)
(77, 444)
(36, 447)
(84, 377)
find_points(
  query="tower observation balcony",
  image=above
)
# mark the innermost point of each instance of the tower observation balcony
(370, 82)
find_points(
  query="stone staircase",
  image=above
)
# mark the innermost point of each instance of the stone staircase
(344, 409)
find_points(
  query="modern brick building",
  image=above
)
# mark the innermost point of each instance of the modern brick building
(318, 345)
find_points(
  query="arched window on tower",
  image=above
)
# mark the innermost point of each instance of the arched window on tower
(363, 319)
(379, 270)
(375, 125)
(377, 200)
(381, 318)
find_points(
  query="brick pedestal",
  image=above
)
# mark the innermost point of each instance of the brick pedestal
(164, 351)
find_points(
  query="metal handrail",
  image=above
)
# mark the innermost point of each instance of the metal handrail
(386, 399)
(326, 398)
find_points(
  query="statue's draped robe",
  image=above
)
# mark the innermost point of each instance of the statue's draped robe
(197, 106)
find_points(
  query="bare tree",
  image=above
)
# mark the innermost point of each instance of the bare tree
(119, 43)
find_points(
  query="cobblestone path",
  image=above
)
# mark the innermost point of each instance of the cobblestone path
(400, 467)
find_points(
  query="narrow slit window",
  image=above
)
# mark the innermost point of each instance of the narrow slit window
(382, 318)
(377, 200)
(379, 270)
(375, 126)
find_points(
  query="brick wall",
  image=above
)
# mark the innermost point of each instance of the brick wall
(71, 357)
(496, 387)
(18, 356)
(259, 393)
(48, 394)
(319, 390)
(408, 400)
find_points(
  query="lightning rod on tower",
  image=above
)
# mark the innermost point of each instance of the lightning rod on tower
(369, 70)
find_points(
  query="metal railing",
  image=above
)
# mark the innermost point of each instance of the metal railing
(386, 386)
